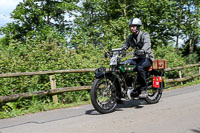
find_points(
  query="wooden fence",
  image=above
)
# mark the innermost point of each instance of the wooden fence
(53, 91)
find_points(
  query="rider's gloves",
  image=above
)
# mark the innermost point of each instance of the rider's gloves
(139, 52)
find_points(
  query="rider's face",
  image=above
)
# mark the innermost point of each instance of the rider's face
(133, 29)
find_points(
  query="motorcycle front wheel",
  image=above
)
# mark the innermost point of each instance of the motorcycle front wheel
(103, 95)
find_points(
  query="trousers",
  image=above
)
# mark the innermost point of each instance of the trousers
(141, 68)
(142, 65)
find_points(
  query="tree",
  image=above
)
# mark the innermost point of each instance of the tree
(39, 19)
(179, 22)
(102, 22)
(191, 26)
(87, 25)
(107, 21)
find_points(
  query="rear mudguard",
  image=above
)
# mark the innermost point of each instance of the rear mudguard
(159, 73)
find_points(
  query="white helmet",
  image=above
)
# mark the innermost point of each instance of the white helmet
(135, 21)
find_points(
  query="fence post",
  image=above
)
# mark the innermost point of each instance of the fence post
(53, 86)
(180, 76)
(199, 72)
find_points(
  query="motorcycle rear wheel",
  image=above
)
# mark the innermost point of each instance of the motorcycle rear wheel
(103, 95)
(154, 94)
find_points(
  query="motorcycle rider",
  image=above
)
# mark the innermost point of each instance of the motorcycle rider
(141, 42)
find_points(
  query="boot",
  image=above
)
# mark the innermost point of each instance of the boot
(143, 94)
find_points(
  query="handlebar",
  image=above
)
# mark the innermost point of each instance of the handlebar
(113, 52)
(122, 51)
(116, 54)
(118, 51)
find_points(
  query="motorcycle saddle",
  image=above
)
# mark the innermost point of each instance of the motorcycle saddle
(130, 62)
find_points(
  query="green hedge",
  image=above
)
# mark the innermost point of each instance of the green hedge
(18, 57)
(43, 56)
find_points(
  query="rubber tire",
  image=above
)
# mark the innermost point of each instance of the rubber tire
(94, 101)
(159, 95)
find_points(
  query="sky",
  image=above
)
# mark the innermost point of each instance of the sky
(6, 7)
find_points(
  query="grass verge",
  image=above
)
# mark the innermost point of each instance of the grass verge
(37, 107)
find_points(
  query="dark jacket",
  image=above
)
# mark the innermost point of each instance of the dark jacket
(140, 42)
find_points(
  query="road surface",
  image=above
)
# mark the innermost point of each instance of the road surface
(177, 112)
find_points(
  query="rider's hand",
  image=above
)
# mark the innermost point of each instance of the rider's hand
(139, 52)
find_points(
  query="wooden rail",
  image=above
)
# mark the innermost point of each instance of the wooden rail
(181, 79)
(181, 67)
(8, 75)
(55, 90)
(41, 93)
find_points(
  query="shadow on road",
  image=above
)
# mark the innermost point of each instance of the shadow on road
(137, 104)
(196, 130)
(92, 112)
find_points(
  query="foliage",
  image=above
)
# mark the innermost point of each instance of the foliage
(37, 19)
(98, 21)
(173, 59)
(43, 57)
(192, 58)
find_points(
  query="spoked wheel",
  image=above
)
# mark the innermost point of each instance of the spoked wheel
(154, 94)
(103, 95)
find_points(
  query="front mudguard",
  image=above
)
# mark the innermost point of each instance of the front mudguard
(114, 77)
(100, 74)
(105, 73)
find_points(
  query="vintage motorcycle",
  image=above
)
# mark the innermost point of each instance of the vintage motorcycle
(110, 85)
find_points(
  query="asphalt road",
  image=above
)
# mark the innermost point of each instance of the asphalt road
(177, 112)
